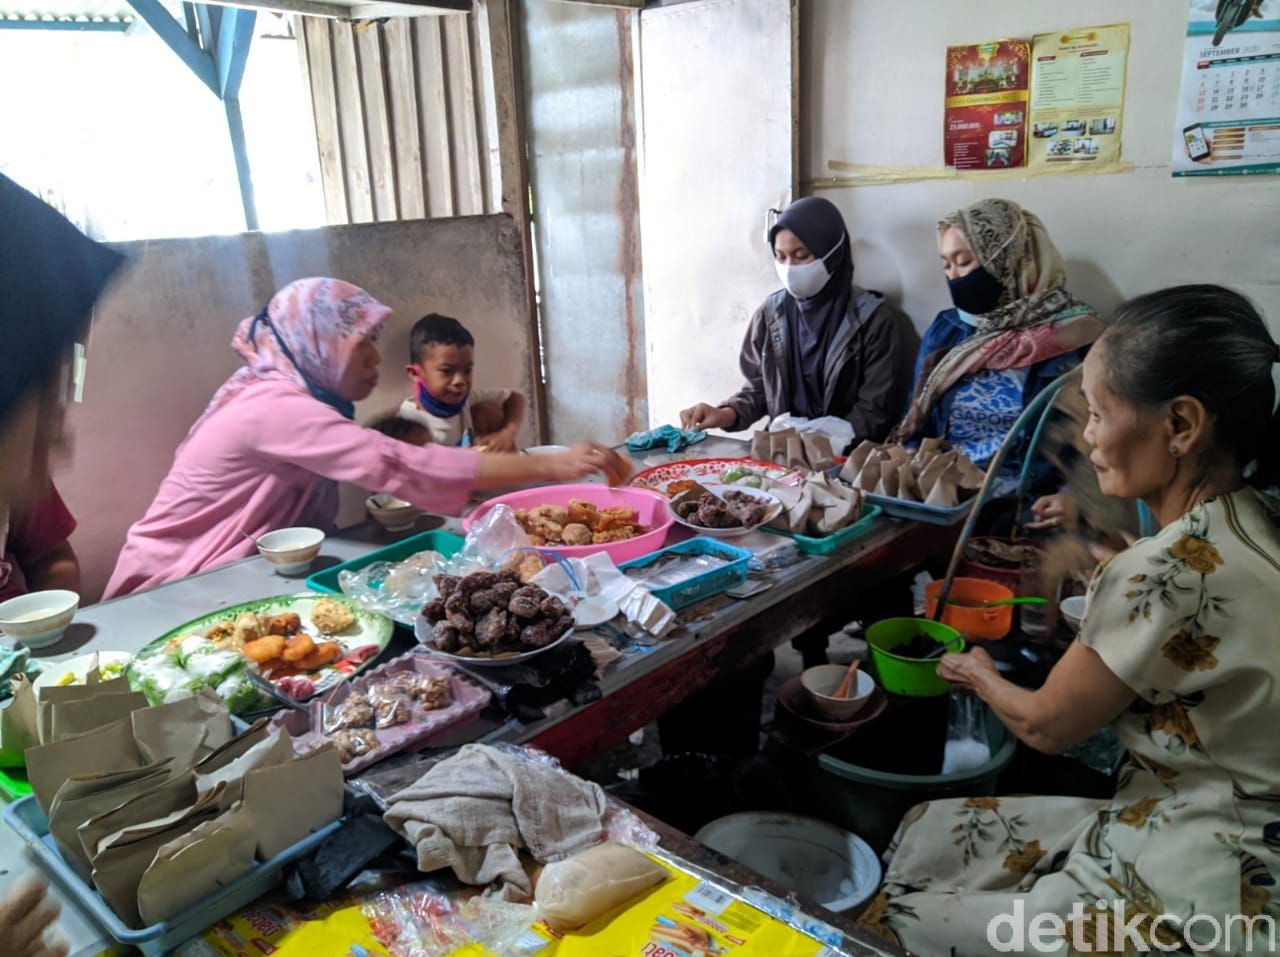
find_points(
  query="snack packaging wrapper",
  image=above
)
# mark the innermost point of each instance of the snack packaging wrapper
(598, 575)
(109, 748)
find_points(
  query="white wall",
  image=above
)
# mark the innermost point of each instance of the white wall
(161, 344)
(872, 88)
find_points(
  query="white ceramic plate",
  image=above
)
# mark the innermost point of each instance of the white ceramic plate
(55, 674)
(594, 610)
(774, 509)
(422, 631)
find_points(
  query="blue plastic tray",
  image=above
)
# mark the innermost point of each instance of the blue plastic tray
(919, 512)
(826, 544)
(714, 582)
(25, 817)
(446, 543)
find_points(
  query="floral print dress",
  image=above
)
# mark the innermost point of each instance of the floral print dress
(1187, 853)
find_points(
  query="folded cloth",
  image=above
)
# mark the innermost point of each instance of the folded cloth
(15, 662)
(674, 439)
(474, 812)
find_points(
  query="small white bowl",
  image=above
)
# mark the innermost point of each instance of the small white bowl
(39, 618)
(821, 683)
(393, 514)
(1073, 610)
(290, 551)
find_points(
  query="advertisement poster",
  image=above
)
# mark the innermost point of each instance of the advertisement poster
(1077, 96)
(985, 120)
(1228, 119)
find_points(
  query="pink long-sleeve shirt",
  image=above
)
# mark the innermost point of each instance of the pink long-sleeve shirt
(263, 461)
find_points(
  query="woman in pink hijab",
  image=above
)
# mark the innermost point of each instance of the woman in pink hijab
(278, 436)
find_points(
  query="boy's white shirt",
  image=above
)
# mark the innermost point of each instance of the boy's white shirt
(450, 431)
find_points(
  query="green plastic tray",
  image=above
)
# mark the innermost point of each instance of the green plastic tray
(446, 543)
(14, 784)
(826, 544)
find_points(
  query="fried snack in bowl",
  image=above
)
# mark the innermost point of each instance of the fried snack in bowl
(331, 617)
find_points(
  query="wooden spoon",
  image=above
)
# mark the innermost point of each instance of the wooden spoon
(846, 684)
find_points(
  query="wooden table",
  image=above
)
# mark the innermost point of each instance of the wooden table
(811, 593)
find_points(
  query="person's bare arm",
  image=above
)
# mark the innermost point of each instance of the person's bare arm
(59, 568)
(587, 458)
(504, 438)
(1080, 697)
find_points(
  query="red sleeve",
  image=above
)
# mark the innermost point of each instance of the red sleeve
(36, 531)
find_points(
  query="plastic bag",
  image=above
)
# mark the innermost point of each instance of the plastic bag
(398, 589)
(967, 744)
(674, 569)
(574, 892)
(490, 541)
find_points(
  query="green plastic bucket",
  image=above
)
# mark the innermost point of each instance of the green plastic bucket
(913, 677)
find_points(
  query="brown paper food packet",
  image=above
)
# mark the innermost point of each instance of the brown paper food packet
(123, 857)
(185, 730)
(109, 748)
(195, 865)
(162, 799)
(70, 718)
(856, 460)
(274, 747)
(66, 694)
(83, 798)
(279, 819)
(818, 452)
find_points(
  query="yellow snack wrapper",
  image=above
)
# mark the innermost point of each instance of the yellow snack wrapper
(335, 928)
(681, 917)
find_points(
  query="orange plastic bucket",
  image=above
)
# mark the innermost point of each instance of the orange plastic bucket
(962, 612)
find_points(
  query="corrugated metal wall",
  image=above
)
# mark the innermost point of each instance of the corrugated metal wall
(579, 86)
(405, 119)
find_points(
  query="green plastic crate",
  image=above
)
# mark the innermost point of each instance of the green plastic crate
(826, 544)
(446, 543)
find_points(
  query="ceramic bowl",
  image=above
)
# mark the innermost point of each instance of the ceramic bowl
(393, 514)
(1073, 610)
(290, 551)
(39, 618)
(820, 684)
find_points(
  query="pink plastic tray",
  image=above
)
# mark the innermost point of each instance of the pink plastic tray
(468, 700)
(652, 508)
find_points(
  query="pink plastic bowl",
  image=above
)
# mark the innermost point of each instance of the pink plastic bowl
(651, 507)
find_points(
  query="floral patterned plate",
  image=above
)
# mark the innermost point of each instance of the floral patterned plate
(743, 471)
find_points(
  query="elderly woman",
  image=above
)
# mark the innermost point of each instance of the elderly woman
(1179, 652)
(51, 275)
(822, 347)
(278, 436)
(1014, 329)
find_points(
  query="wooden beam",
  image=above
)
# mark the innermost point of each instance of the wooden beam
(405, 131)
(355, 145)
(434, 123)
(235, 35)
(377, 116)
(498, 38)
(464, 139)
(235, 127)
(175, 36)
(324, 99)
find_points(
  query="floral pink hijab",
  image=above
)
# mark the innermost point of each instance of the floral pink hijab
(305, 334)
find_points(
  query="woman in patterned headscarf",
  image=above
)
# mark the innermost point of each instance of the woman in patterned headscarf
(1014, 329)
(278, 436)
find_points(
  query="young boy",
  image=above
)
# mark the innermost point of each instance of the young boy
(441, 365)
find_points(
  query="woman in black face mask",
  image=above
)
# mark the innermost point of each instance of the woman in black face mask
(1014, 329)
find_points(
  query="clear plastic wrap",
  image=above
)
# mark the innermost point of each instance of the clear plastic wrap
(574, 892)
(398, 589)
(674, 569)
(967, 745)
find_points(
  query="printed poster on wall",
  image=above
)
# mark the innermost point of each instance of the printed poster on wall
(1077, 96)
(985, 118)
(1228, 120)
